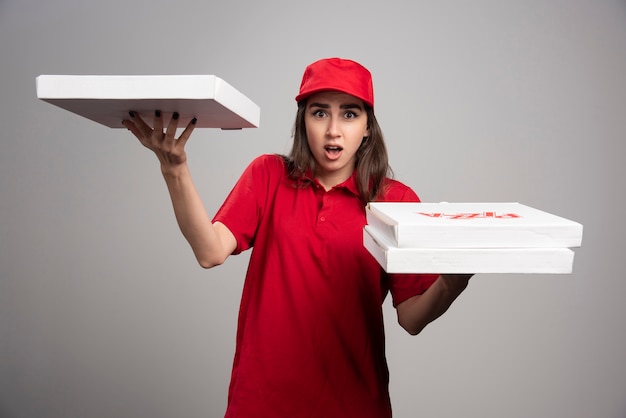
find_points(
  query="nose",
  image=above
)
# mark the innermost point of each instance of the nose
(333, 130)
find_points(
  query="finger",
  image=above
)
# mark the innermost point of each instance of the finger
(141, 125)
(171, 127)
(182, 140)
(134, 130)
(158, 121)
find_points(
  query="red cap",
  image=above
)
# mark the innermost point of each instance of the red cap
(337, 74)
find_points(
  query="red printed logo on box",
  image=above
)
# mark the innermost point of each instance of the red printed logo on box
(479, 215)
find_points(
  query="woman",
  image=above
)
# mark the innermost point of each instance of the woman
(310, 339)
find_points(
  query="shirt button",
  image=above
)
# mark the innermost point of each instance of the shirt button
(323, 219)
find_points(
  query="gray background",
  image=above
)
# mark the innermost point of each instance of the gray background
(103, 311)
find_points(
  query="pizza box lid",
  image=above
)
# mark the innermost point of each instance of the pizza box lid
(107, 99)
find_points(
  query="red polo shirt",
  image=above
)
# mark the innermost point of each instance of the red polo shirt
(310, 338)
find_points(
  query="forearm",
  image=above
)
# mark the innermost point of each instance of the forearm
(417, 312)
(210, 243)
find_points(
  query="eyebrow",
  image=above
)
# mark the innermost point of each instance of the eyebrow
(342, 106)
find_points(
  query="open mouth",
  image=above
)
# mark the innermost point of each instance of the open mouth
(333, 150)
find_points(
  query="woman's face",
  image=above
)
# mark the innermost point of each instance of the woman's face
(336, 124)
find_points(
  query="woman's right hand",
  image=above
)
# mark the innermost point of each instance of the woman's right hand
(169, 149)
(211, 244)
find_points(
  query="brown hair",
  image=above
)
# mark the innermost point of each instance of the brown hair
(372, 162)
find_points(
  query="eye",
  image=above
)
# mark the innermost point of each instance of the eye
(350, 115)
(319, 113)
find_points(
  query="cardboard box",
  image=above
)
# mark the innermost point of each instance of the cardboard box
(108, 99)
(466, 260)
(471, 225)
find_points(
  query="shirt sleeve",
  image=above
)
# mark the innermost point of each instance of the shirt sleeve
(405, 286)
(242, 210)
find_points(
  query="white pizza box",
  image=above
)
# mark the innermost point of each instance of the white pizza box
(471, 225)
(467, 260)
(107, 99)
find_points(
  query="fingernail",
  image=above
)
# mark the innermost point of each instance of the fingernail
(132, 114)
(175, 115)
(157, 113)
(194, 120)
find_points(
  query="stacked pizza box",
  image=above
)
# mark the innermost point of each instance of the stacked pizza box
(452, 238)
(107, 99)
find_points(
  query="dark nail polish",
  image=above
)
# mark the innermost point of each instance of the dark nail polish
(132, 114)
(194, 120)
(175, 115)
(157, 113)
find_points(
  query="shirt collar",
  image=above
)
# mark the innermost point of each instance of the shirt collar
(349, 184)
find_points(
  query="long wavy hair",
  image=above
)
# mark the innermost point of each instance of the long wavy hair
(372, 161)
